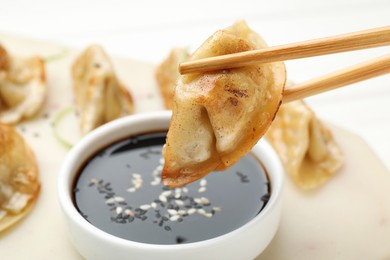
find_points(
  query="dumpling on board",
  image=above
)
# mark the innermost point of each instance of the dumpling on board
(100, 96)
(219, 116)
(22, 87)
(305, 146)
(167, 73)
(19, 182)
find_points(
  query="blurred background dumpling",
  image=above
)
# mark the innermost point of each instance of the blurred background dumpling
(167, 73)
(100, 96)
(22, 87)
(19, 177)
(306, 147)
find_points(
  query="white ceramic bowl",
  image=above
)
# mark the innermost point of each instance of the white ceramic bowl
(246, 242)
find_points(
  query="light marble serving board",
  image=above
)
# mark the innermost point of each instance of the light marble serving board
(348, 218)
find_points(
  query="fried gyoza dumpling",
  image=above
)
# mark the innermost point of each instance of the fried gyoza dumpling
(219, 116)
(19, 183)
(167, 73)
(22, 87)
(100, 96)
(306, 147)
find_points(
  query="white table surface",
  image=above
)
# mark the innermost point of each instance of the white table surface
(148, 30)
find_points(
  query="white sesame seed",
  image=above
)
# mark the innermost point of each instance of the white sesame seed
(153, 205)
(191, 211)
(119, 199)
(209, 215)
(181, 212)
(159, 168)
(217, 208)
(202, 189)
(162, 161)
(129, 212)
(179, 202)
(155, 172)
(198, 200)
(166, 193)
(155, 182)
(132, 189)
(174, 218)
(137, 182)
(118, 210)
(203, 182)
(185, 190)
(162, 198)
(137, 175)
(201, 211)
(93, 180)
(110, 201)
(204, 201)
(144, 207)
(172, 212)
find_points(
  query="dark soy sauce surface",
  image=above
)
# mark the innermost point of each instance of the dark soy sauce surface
(119, 192)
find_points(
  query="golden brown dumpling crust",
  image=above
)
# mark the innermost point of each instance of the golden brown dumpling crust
(167, 73)
(19, 182)
(99, 94)
(306, 147)
(3, 60)
(220, 115)
(22, 87)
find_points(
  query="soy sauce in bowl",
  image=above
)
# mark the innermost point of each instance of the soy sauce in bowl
(118, 190)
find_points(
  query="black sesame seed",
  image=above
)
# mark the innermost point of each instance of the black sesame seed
(268, 186)
(167, 228)
(180, 239)
(131, 219)
(76, 189)
(180, 220)
(144, 218)
(123, 203)
(161, 223)
(165, 218)
(265, 197)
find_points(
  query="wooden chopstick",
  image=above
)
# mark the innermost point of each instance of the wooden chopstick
(340, 43)
(343, 77)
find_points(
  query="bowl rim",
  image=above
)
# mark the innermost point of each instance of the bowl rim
(67, 174)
